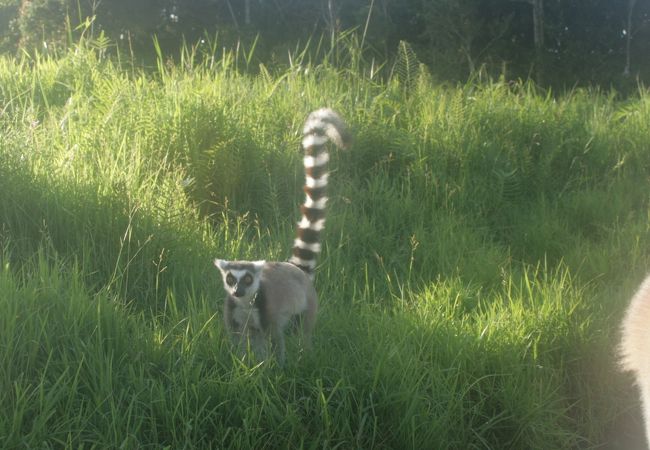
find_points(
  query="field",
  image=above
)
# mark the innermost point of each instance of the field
(482, 243)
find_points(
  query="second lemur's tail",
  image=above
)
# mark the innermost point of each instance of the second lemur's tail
(321, 126)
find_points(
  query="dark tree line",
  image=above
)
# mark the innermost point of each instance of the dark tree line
(553, 41)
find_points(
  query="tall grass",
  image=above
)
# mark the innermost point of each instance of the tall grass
(481, 244)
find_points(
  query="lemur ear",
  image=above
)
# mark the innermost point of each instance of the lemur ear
(220, 264)
(259, 264)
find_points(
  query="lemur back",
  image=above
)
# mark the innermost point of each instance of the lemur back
(634, 350)
(263, 297)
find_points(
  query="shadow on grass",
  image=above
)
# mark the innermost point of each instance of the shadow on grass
(117, 244)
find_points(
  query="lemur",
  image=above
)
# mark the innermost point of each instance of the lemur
(635, 346)
(264, 297)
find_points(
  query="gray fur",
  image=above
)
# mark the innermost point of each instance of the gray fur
(258, 319)
(634, 347)
(264, 297)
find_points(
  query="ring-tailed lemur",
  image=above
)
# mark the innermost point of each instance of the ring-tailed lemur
(635, 349)
(263, 297)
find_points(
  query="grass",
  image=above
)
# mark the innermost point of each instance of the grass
(482, 243)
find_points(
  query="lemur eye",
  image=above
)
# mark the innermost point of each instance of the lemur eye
(231, 280)
(248, 279)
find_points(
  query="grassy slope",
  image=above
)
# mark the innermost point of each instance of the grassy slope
(482, 243)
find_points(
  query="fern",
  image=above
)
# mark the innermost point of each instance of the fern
(406, 67)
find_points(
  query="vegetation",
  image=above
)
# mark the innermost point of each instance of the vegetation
(559, 43)
(483, 241)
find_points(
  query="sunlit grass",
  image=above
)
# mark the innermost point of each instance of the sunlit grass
(482, 241)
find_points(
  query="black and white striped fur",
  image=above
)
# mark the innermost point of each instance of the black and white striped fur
(321, 125)
(264, 297)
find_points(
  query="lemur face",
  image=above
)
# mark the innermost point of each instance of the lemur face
(241, 279)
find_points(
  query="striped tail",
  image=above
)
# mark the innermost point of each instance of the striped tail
(321, 126)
